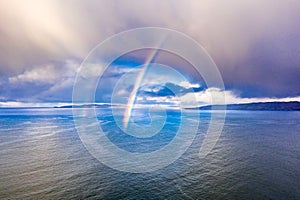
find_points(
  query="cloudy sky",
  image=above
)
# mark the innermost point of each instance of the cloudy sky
(255, 44)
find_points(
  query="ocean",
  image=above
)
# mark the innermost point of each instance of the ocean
(257, 156)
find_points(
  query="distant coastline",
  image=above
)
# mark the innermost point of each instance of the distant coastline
(260, 106)
(91, 105)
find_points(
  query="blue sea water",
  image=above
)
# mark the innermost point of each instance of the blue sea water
(256, 157)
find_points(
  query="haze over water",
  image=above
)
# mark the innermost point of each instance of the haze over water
(256, 157)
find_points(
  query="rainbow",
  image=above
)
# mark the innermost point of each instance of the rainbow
(137, 84)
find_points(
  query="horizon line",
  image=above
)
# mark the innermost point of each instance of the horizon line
(70, 104)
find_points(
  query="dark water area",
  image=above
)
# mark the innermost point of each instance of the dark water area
(256, 157)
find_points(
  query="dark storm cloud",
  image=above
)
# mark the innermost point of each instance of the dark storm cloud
(271, 68)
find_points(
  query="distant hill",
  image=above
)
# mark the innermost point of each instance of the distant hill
(85, 106)
(271, 106)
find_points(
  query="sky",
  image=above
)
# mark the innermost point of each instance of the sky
(255, 45)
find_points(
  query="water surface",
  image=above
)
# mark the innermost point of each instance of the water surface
(256, 157)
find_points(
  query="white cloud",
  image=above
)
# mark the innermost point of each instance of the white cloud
(91, 70)
(157, 100)
(45, 74)
(188, 85)
(25, 104)
(122, 92)
(216, 96)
